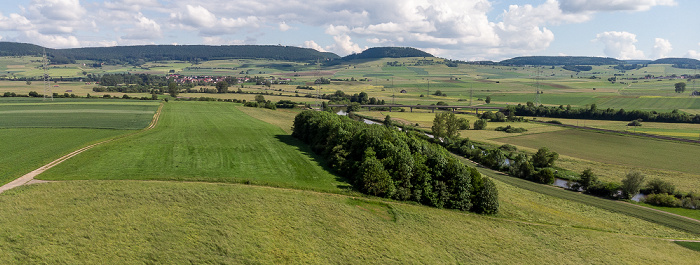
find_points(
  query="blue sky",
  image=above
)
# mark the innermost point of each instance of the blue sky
(460, 29)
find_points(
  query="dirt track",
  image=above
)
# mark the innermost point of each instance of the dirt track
(30, 176)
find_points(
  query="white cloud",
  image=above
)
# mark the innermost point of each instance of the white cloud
(201, 19)
(144, 28)
(15, 22)
(620, 45)
(343, 45)
(66, 10)
(53, 41)
(662, 48)
(131, 5)
(313, 45)
(284, 27)
(580, 6)
(216, 40)
(693, 54)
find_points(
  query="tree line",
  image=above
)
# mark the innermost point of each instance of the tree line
(600, 114)
(402, 165)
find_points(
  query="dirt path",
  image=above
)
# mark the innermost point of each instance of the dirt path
(30, 176)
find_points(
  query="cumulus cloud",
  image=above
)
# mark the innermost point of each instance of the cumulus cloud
(144, 28)
(581, 6)
(54, 41)
(313, 45)
(284, 27)
(201, 19)
(15, 22)
(620, 45)
(343, 45)
(662, 48)
(67, 10)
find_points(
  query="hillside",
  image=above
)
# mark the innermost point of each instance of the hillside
(684, 63)
(560, 60)
(148, 53)
(388, 52)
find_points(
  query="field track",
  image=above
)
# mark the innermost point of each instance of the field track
(30, 176)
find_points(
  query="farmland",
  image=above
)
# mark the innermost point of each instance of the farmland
(216, 182)
(204, 141)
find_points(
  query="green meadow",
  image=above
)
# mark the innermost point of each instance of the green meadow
(204, 141)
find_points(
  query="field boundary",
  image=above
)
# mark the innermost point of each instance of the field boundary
(30, 176)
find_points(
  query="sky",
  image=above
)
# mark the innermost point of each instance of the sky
(455, 29)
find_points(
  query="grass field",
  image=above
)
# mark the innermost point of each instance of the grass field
(680, 130)
(26, 149)
(607, 148)
(97, 113)
(166, 222)
(204, 141)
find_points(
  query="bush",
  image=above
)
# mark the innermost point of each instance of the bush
(510, 129)
(662, 199)
(637, 122)
(658, 186)
(508, 148)
(480, 124)
(604, 189)
(554, 122)
(486, 201)
(544, 176)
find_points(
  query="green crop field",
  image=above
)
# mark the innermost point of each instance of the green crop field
(98, 113)
(204, 141)
(634, 152)
(167, 222)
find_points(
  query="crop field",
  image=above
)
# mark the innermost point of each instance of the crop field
(204, 141)
(97, 114)
(680, 130)
(634, 152)
(168, 222)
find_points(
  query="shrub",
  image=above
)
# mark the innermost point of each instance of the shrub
(662, 199)
(480, 124)
(508, 148)
(486, 201)
(632, 183)
(604, 189)
(510, 129)
(544, 176)
(637, 122)
(554, 122)
(658, 186)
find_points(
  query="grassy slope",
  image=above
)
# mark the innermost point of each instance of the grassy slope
(204, 141)
(165, 222)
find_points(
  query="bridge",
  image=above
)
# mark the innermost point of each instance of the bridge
(431, 107)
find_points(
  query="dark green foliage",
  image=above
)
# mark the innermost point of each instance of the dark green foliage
(487, 198)
(388, 52)
(544, 158)
(480, 124)
(680, 87)
(662, 199)
(383, 161)
(578, 68)
(632, 184)
(685, 63)
(508, 148)
(603, 189)
(146, 53)
(601, 114)
(544, 176)
(559, 60)
(488, 100)
(510, 129)
(221, 87)
(446, 125)
(635, 123)
(521, 167)
(587, 179)
(658, 186)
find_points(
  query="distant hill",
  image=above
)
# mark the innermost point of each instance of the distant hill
(560, 60)
(146, 53)
(388, 52)
(679, 62)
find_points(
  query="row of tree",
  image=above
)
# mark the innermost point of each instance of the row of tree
(600, 114)
(402, 165)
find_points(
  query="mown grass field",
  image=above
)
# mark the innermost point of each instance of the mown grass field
(204, 141)
(26, 149)
(80, 113)
(608, 148)
(680, 130)
(35, 132)
(169, 222)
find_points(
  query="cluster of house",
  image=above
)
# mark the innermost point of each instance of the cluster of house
(214, 79)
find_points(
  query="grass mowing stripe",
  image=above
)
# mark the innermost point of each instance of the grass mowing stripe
(204, 141)
(672, 221)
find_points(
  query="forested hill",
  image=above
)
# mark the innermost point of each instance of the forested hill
(560, 60)
(679, 62)
(388, 52)
(133, 54)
